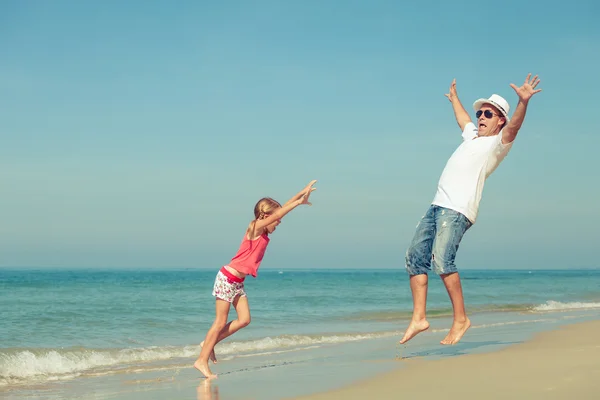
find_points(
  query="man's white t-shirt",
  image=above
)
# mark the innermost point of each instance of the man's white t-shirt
(461, 184)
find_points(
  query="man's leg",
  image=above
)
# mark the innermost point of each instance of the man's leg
(418, 323)
(451, 226)
(461, 322)
(418, 263)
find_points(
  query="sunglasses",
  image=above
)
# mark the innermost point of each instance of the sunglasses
(488, 114)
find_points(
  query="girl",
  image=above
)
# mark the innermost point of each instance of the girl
(229, 283)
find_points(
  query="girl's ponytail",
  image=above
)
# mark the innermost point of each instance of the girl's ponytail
(251, 229)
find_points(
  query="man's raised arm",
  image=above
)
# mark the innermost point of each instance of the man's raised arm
(524, 92)
(462, 116)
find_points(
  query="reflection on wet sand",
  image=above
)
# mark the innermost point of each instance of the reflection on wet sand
(207, 390)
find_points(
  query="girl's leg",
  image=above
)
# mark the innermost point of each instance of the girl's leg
(243, 318)
(222, 311)
(243, 312)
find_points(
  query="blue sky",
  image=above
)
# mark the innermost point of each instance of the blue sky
(141, 133)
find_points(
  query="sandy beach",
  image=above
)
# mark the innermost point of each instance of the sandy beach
(559, 364)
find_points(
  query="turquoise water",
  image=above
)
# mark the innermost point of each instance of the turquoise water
(69, 325)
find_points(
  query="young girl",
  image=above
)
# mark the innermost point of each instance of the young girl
(229, 283)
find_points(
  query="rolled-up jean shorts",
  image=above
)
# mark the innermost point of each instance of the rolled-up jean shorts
(436, 241)
(228, 286)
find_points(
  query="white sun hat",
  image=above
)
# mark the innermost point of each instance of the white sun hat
(497, 101)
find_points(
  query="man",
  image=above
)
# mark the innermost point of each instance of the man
(455, 205)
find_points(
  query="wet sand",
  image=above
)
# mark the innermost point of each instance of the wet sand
(560, 364)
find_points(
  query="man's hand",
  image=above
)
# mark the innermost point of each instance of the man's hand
(452, 95)
(524, 92)
(462, 116)
(528, 89)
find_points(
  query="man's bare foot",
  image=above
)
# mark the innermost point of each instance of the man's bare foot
(414, 328)
(456, 332)
(203, 368)
(212, 356)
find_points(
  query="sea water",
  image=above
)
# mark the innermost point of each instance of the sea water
(59, 326)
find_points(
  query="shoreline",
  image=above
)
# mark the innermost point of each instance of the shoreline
(318, 370)
(561, 363)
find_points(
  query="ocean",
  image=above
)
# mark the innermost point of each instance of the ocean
(64, 331)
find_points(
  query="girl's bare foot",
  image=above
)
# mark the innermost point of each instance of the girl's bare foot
(456, 332)
(212, 356)
(202, 366)
(414, 328)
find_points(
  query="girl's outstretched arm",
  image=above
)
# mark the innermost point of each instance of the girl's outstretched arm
(308, 189)
(300, 199)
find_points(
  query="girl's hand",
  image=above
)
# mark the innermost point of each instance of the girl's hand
(306, 193)
(309, 186)
(304, 199)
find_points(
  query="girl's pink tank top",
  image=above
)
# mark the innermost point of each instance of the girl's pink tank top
(250, 254)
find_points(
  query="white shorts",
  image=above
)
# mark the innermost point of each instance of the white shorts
(228, 286)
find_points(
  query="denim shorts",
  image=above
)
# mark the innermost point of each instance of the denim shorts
(436, 241)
